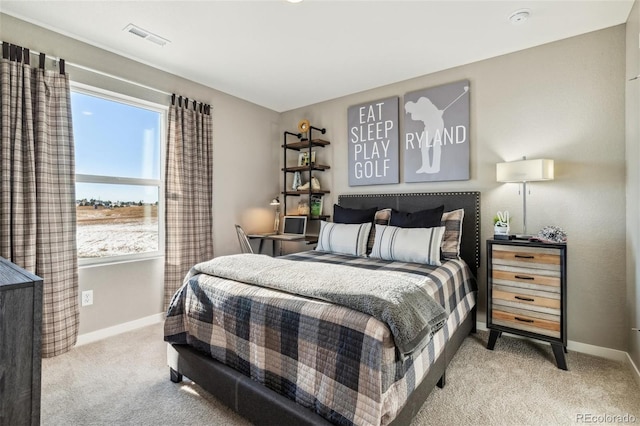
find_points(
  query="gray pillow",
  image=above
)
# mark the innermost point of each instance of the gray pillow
(343, 238)
(452, 221)
(417, 245)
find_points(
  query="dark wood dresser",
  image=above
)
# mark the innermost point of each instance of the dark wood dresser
(527, 292)
(20, 345)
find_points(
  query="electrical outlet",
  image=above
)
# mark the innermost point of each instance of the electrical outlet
(87, 298)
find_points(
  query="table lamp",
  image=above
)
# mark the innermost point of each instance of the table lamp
(276, 222)
(524, 171)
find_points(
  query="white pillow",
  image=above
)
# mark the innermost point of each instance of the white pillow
(417, 245)
(343, 238)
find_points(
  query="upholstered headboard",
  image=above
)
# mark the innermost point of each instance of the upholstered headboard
(469, 201)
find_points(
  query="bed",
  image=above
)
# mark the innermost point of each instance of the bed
(274, 384)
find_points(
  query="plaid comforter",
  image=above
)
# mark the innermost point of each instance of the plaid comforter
(337, 362)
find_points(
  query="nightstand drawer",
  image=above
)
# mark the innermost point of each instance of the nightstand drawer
(526, 278)
(526, 300)
(527, 257)
(527, 323)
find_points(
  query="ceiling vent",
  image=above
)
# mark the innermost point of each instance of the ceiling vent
(149, 36)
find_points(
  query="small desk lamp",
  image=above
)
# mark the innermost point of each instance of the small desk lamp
(276, 222)
(524, 171)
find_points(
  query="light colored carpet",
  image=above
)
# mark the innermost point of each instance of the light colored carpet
(124, 381)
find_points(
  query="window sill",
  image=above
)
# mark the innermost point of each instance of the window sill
(109, 261)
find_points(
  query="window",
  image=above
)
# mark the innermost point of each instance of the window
(119, 191)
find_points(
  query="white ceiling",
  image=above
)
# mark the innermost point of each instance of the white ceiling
(284, 56)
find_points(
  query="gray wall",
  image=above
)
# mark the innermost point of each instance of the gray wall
(633, 180)
(245, 140)
(564, 101)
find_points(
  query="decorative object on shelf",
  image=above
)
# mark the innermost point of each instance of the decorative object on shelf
(436, 133)
(304, 125)
(501, 224)
(276, 221)
(551, 234)
(373, 142)
(315, 185)
(303, 207)
(316, 205)
(303, 158)
(297, 181)
(524, 171)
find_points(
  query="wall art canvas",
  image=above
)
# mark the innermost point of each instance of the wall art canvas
(436, 133)
(373, 136)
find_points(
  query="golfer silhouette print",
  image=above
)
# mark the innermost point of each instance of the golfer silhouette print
(424, 110)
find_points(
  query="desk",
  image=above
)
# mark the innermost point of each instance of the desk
(309, 239)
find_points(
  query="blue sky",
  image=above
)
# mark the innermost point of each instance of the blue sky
(115, 139)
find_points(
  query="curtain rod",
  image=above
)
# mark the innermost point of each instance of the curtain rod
(204, 108)
(15, 53)
(93, 70)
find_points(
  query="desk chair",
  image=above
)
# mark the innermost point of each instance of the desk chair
(243, 240)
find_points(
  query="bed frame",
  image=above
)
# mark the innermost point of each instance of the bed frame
(262, 406)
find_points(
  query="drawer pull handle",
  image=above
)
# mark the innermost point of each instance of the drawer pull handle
(523, 319)
(524, 277)
(522, 256)
(526, 299)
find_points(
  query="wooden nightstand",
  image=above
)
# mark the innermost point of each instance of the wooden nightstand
(527, 292)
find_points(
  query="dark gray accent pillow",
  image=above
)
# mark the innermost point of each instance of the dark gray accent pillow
(346, 215)
(428, 218)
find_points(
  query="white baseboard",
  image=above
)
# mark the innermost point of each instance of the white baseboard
(94, 336)
(599, 351)
(634, 369)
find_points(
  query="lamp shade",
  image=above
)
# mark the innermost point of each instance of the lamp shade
(525, 171)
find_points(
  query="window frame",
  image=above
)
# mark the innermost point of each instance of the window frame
(163, 110)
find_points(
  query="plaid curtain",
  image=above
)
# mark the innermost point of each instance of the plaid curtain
(37, 192)
(188, 193)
